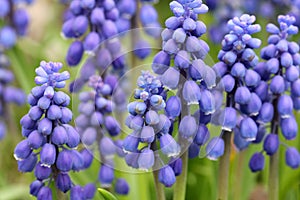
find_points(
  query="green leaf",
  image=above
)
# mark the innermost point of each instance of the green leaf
(106, 195)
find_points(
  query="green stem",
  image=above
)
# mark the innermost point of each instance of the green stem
(274, 159)
(273, 176)
(224, 168)
(159, 188)
(180, 186)
(239, 175)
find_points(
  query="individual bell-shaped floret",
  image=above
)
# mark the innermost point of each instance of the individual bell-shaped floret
(202, 135)
(187, 127)
(289, 127)
(248, 129)
(48, 155)
(191, 92)
(285, 106)
(173, 107)
(257, 162)
(147, 134)
(271, 143)
(242, 95)
(106, 176)
(166, 176)
(168, 145)
(292, 157)
(63, 182)
(266, 113)
(228, 119)
(122, 187)
(146, 159)
(215, 148)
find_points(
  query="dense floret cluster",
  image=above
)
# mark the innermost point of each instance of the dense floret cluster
(98, 127)
(239, 80)
(151, 127)
(49, 147)
(282, 96)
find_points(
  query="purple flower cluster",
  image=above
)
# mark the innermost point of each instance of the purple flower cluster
(151, 127)
(98, 127)
(15, 24)
(49, 147)
(106, 19)
(8, 94)
(223, 11)
(190, 75)
(240, 81)
(148, 18)
(282, 96)
(18, 21)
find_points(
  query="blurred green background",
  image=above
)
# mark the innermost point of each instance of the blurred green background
(44, 42)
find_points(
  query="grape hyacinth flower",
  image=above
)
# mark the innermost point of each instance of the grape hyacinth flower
(239, 80)
(99, 129)
(190, 74)
(8, 93)
(281, 96)
(192, 79)
(15, 23)
(151, 128)
(223, 11)
(49, 147)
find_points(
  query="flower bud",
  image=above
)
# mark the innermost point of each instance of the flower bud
(169, 146)
(28, 164)
(22, 150)
(257, 162)
(194, 150)
(242, 95)
(75, 53)
(289, 127)
(64, 160)
(248, 129)
(147, 134)
(292, 157)
(166, 176)
(112, 126)
(48, 155)
(122, 187)
(106, 176)
(45, 126)
(42, 172)
(191, 92)
(202, 135)
(131, 143)
(271, 143)
(215, 148)
(45, 193)
(35, 139)
(277, 85)
(161, 62)
(173, 107)
(89, 136)
(63, 182)
(146, 159)
(107, 147)
(228, 119)
(187, 127)
(35, 187)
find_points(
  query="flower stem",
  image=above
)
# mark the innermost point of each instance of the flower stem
(274, 159)
(224, 168)
(159, 188)
(273, 176)
(180, 186)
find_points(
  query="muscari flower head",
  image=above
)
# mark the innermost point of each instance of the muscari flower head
(239, 79)
(281, 71)
(48, 134)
